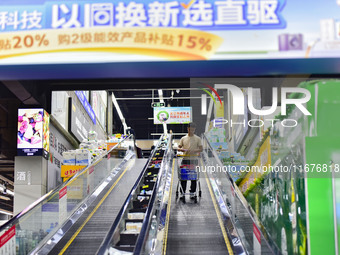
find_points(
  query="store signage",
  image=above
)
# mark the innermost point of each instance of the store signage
(166, 30)
(70, 170)
(173, 30)
(81, 96)
(158, 104)
(7, 242)
(202, 14)
(172, 115)
(256, 240)
(58, 144)
(33, 132)
(78, 124)
(62, 205)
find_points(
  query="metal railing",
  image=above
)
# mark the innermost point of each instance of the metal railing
(147, 240)
(115, 229)
(41, 220)
(236, 209)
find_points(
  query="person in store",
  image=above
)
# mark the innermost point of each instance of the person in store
(191, 145)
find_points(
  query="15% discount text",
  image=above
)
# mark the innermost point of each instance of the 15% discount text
(193, 42)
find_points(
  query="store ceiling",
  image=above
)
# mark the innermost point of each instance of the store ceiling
(138, 113)
(137, 110)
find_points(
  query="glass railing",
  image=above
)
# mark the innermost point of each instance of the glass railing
(110, 244)
(244, 228)
(151, 237)
(43, 223)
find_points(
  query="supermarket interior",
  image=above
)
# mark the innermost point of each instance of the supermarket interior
(169, 128)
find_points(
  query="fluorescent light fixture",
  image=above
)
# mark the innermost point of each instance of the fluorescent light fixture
(9, 192)
(160, 93)
(114, 100)
(120, 114)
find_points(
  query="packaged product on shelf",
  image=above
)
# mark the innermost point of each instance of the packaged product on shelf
(137, 226)
(92, 135)
(136, 216)
(96, 154)
(83, 157)
(69, 158)
(101, 145)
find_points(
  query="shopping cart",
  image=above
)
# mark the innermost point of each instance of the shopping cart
(187, 171)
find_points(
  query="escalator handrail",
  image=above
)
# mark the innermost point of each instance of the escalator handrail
(33, 205)
(107, 240)
(244, 203)
(148, 214)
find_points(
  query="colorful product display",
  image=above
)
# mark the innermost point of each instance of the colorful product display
(89, 151)
(304, 160)
(232, 160)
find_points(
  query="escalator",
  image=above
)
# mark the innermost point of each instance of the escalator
(194, 228)
(129, 228)
(75, 217)
(87, 234)
(150, 219)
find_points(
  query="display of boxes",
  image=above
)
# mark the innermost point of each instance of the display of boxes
(83, 157)
(136, 216)
(133, 226)
(69, 158)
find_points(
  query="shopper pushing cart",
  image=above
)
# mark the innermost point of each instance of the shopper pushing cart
(191, 146)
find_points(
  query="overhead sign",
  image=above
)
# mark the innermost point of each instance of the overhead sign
(158, 104)
(33, 132)
(172, 115)
(81, 96)
(202, 14)
(110, 30)
(78, 125)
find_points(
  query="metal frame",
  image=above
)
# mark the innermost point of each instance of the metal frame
(35, 204)
(252, 215)
(46, 246)
(105, 245)
(149, 212)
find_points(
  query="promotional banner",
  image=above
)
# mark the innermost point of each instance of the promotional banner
(7, 242)
(33, 132)
(120, 30)
(171, 115)
(58, 144)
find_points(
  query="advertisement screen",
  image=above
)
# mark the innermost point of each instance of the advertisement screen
(33, 132)
(124, 31)
(172, 115)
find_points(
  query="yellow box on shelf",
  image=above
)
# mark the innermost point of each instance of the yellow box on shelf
(70, 170)
(65, 179)
(110, 146)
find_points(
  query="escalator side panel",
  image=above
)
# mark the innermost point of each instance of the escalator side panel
(194, 228)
